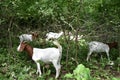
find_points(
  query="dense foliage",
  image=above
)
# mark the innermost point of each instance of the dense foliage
(94, 19)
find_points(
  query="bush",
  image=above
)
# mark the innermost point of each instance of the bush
(80, 73)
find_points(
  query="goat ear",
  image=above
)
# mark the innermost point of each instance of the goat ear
(37, 34)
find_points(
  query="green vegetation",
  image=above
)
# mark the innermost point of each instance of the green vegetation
(94, 19)
(80, 73)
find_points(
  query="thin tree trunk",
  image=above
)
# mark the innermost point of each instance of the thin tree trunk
(9, 35)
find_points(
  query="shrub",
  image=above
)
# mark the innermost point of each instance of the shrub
(80, 73)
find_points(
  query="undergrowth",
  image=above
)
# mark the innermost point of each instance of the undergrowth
(19, 66)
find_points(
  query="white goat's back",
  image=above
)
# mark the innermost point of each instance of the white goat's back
(46, 55)
(95, 46)
(52, 35)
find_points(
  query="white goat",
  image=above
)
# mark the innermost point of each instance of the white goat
(46, 55)
(96, 46)
(28, 37)
(52, 35)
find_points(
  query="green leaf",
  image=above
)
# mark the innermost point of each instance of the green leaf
(69, 75)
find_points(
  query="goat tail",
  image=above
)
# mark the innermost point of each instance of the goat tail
(58, 45)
